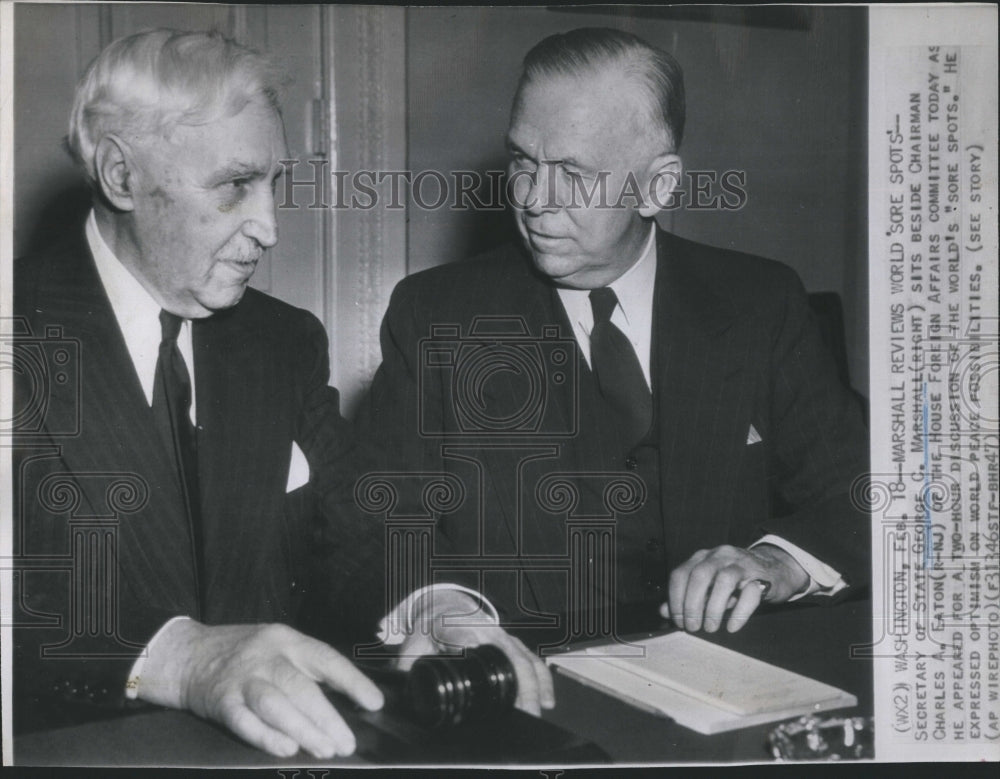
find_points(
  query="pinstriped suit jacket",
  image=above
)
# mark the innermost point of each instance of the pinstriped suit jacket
(733, 346)
(104, 551)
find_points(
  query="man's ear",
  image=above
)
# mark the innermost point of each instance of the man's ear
(664, 178)
(113, 165)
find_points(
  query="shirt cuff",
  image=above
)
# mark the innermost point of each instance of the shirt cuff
(135, 675)
(399, 623)
(823, 580)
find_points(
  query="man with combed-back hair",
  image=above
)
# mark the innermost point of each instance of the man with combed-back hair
(174, 470)
(147, 83)
(689, 378)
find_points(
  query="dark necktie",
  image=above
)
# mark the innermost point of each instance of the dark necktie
(172, 409)
(616, 365)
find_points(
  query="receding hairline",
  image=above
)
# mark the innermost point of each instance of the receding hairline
(596, 49)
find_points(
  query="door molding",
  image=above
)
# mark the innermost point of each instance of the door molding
(365, 77)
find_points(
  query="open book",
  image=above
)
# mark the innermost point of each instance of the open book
(700, 685)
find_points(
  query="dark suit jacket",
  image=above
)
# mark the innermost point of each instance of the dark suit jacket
(733, 346)
(103, 548)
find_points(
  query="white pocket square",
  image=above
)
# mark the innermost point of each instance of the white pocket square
(298, 471)
(753, 437)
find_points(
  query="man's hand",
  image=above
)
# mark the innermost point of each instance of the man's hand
(714, 580)
(447, 621)
(260, 681)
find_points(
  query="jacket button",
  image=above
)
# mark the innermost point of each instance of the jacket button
(631, 463)
(653, 545)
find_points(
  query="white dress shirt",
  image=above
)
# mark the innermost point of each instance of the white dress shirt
(634, 313)
(138, 315)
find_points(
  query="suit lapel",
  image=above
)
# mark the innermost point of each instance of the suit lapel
(541, 315)
(117, 437)
(700, 398)
(242, 455)
(536, 302)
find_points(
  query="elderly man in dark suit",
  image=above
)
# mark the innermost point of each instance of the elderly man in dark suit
(170, 462)
(603, 369)
(197, 409)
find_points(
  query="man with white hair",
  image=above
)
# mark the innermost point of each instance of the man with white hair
(196, 398)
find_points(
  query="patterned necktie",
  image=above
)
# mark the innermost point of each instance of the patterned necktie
(616, 365)
(172, 409)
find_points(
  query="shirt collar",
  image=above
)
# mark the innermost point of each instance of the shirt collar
(137, 312)
(634, 288)
(634, 313)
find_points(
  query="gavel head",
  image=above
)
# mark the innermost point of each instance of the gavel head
(444, 691)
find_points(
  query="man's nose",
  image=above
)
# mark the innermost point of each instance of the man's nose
(261, 220)
(543, 193)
